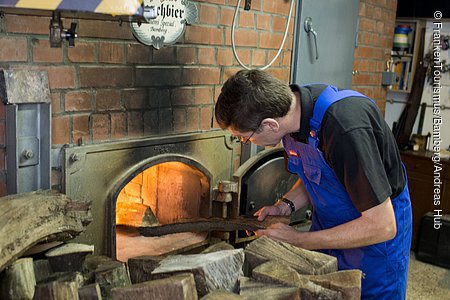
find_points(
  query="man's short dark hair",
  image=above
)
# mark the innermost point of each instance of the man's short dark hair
(250, 96)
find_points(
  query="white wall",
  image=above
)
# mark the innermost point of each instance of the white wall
(393, 110)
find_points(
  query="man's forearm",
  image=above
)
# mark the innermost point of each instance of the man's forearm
(349, 235)
(363, 231)
(298, 195)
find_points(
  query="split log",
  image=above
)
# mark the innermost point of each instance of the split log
(276, 272)
(280, 273)
(141, 267)
(18, 280)
(75, 277)
(27, 219)
(92, 263)
(222, 295)
(56, 291)
(111, 275)
(42, 270)
(347, 282)
(69, 257)
(41, 248)
(213, 224)
(218, 247)
(181, 286)
(90, 292)
(303, 261)
(212, 271)
(251, 289)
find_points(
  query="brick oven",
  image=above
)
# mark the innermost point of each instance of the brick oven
(179, 173)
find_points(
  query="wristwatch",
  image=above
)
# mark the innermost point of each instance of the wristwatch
(289, 203)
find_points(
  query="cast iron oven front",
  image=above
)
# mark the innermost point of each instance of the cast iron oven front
(99, 172)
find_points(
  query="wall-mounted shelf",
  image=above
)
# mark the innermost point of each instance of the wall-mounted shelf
(403, 61)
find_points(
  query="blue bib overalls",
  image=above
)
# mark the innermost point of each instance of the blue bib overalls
(384, 265)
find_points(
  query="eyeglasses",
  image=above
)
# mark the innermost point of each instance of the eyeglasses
(247, 140)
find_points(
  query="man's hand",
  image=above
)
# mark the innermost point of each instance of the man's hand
(278, 209)
(281, 232)
(298, 195)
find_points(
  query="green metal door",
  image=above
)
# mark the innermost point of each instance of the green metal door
(325, 37)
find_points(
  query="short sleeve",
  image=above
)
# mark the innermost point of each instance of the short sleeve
(354, 147)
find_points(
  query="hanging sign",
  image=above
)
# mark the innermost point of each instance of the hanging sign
(168, 25)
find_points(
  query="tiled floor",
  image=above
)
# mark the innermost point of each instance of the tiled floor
(427, 282)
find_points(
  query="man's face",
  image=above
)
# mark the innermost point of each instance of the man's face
(260, 137)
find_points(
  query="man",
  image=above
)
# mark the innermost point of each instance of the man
(349, 169)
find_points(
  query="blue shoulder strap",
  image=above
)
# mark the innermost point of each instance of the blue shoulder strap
(329, 96)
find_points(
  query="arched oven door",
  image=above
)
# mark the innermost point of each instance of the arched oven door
(262, 180)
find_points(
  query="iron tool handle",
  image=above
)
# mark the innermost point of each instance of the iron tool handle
(309, 29)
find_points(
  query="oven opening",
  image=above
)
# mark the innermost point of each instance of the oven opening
(161, 194)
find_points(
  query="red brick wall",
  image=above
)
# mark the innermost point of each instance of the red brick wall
(110, 87)
(376, 34)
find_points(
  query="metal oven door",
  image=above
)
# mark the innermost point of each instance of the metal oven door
(262, 180)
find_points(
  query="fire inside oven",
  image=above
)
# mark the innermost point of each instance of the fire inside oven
(162, 194)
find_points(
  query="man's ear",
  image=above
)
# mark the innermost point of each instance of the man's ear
(270, 124)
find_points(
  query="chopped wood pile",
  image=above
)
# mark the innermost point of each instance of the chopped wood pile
(275, 271)
(27, 219)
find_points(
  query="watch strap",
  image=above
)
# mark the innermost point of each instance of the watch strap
(289, 203)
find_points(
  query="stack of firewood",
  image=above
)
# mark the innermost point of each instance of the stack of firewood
(265, 269)
(273, 270)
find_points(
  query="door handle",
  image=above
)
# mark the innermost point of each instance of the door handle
(309, 29)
